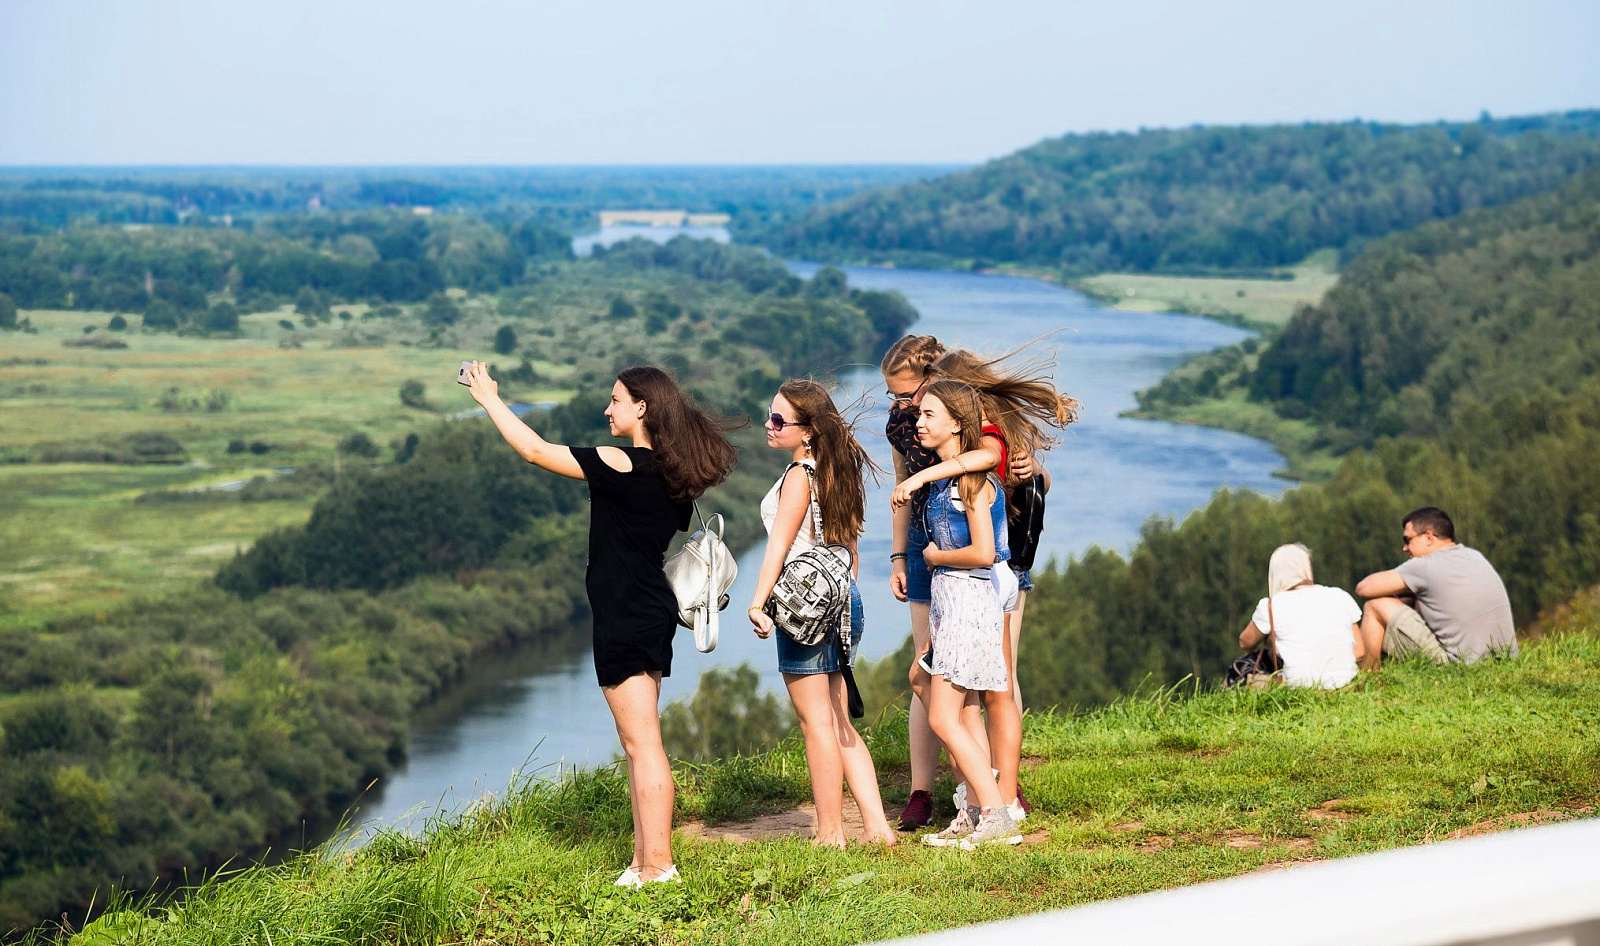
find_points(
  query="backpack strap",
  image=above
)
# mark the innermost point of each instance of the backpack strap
(814, 506)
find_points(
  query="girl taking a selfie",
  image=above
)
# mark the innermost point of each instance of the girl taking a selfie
(640, 497)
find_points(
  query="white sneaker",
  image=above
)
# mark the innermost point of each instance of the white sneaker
(960, 826)
(995, 827)
(668, 876)
(628, 878)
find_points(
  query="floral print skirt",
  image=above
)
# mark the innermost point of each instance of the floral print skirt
(966, 626)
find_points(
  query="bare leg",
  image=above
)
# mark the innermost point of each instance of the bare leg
(1014, 638)
(813, 704)
(634, 706)
(1375, 617)
(944, 715)
(859, 770)
(1005, 739)
(924, 744)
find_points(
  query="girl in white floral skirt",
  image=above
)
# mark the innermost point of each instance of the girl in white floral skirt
(966, 624)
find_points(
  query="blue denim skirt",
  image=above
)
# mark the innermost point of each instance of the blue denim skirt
(1024, 581)
(823, 657)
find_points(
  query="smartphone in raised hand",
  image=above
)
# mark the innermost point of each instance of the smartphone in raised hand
(461, 376)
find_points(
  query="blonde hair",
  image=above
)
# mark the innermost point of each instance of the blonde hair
(960, 400)
(912, 353)
(1020, 401)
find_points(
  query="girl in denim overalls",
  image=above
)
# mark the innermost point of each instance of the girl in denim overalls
(966, 624)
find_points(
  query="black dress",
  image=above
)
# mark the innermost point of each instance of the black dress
(632, 520)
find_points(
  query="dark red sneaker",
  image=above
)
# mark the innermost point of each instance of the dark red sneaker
(1022, 801)
(918, 812)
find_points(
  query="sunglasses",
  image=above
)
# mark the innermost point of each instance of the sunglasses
(778, 422)
(898, 399)
(1406, 540)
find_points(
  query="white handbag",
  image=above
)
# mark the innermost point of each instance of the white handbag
(700, 574)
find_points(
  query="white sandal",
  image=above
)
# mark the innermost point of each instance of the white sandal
(629, 878)
(668, 876)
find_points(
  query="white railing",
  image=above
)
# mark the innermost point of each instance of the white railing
(1530, 887)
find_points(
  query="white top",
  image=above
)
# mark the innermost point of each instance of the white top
(1314, 637)
(806, 538)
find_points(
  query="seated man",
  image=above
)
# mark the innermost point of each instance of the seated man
(1461, 611)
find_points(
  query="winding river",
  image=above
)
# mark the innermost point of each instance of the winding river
(531, 711)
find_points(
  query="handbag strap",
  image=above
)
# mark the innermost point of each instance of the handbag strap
(1272, 632)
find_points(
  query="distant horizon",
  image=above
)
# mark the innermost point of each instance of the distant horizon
(773, 165)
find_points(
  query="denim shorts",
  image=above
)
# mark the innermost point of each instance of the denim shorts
(823, 657)
(1024, 581)
(919, 581)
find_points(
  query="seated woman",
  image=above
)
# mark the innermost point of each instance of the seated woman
(1318, 629)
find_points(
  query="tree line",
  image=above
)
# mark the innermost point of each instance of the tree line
(1199, 199)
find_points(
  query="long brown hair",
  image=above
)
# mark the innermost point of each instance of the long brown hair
(961, 400)
(690, 449)
(1021, 401)
(841, 460)
(912, 353)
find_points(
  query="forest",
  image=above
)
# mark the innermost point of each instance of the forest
(566, 197)
(1200, 199)
(173, 731)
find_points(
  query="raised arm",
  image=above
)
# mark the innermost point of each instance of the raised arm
(794, 503)
(522, 438)
(981, 460)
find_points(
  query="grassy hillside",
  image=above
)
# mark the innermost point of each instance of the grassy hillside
(1151, 792)
(1199, 199)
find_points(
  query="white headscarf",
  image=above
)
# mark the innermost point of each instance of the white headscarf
(1290, 567)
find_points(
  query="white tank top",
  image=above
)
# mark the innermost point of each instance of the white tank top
(806, 538)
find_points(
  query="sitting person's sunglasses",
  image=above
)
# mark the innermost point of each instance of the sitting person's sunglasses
(778, 422)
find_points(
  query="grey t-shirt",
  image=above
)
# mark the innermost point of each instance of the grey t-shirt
(1463, 601)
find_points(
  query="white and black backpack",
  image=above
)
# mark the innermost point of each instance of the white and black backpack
(811, 600)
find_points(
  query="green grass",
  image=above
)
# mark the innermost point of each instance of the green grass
(1153, 792)
(1262, 304)
(1232, 409)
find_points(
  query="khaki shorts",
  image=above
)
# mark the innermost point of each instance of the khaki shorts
(1409, 637)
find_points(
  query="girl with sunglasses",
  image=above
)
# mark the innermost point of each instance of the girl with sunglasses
(909, 367)
(1017, 405)
(827, 468)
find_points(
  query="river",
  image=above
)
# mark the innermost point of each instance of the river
(530, 711)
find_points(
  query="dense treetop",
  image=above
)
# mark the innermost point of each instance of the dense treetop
(1429, 324)
(1201, 198)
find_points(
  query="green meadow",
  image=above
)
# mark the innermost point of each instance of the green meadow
(80, 538)
(1265, 305)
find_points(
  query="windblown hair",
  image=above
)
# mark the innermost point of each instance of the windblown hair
(912, 353)
(961, 401)
(690, 449)
(1022, 402)
(841, 461)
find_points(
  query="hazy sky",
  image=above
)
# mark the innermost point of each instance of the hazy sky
(743, 81)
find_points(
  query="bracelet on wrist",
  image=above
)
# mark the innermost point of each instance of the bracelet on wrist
(898, 556)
